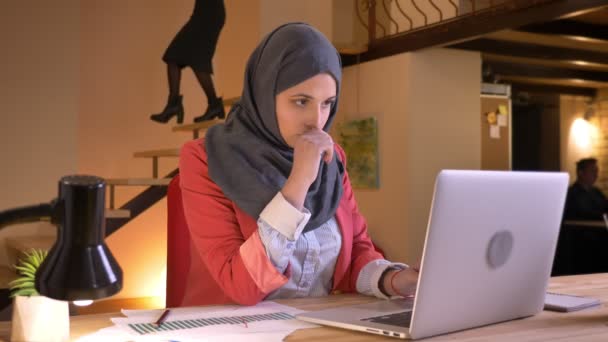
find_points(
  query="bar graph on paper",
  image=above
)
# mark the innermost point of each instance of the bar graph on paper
(169, 325)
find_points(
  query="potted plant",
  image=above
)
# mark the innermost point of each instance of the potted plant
(35, 317)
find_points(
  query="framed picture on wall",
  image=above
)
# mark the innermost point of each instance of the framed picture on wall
(359, 138)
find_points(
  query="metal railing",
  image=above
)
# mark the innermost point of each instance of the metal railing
(384, 19)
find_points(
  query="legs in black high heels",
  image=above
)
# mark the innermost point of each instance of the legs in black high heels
(174, 102)
(174, 107)
(215, 109)
(215, 105)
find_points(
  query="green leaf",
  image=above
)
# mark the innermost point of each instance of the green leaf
(24, 292)
(20, 281)
(27, 266)
(24, 285)
(26, 272)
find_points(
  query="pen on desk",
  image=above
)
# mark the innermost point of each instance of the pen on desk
(162, 318)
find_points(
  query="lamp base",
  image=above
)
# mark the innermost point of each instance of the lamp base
(39, 318)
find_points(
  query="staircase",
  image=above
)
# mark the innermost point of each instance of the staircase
(116, 217)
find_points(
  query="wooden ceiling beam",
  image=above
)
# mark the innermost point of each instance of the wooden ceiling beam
(540, 71)
(553, 81)
(516, 49)
(553, 89)
(568, 28)
(514, 13)
(547, 62)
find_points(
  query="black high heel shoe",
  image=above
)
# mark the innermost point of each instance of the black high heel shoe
(214, 110)
(174, 107)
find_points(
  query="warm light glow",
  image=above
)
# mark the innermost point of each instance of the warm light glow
(583, 39)
(85, 302)
(161, 289)
(583, 133)
(582, 63)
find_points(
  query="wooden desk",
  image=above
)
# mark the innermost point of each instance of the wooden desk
(586, 325)
(594, 224)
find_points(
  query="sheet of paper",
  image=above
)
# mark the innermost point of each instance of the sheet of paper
(267, 321)
(494, 132)
(502, 109)
(566, 303)
(502, 120)
(185, 310)
(117, 334)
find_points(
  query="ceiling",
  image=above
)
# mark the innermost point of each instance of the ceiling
(545, 45)
(569, 55)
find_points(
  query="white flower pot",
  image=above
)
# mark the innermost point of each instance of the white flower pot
(40, 318)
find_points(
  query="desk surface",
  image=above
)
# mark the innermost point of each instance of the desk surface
(585, 325)
(594, 224)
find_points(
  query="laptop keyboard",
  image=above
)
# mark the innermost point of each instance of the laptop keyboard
(401, 319)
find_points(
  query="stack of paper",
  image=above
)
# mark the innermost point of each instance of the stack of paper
(566, 303)
(267, 321)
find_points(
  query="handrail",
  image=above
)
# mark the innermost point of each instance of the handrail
(426, 21)
(429, 12)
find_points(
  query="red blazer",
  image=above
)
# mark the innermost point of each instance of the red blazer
(226, 245)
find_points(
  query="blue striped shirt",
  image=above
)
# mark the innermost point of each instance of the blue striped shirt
(311, 256)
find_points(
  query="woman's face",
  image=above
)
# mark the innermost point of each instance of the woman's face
(305, 106)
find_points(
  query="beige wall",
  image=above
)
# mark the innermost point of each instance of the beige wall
(427, 106)
(39, 98)
(315, 12)
(380, 88)
(123, 81)
(571, 109)
(444, 127)
(335, 18)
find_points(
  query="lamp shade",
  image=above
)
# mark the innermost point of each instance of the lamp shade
(79, 266)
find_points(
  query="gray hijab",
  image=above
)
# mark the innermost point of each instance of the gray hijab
(247, 156)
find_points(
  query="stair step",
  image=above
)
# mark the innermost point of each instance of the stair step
(118, 213)
(201, 126)
(138, 181)
(166, 152)
(197, 126)
(230, 101)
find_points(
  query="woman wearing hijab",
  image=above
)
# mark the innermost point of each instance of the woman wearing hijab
(266, 195)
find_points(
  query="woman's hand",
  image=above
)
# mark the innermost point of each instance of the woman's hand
(309, 148)
(401, 282)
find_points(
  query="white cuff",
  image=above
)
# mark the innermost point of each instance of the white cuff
(369, 278)
(284, 217)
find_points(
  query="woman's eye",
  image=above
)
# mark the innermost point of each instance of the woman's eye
(328, 103)
(301, 102)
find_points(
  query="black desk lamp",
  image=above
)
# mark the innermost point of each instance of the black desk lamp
(79, 266)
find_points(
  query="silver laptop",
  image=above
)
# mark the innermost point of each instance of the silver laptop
(487, 257)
